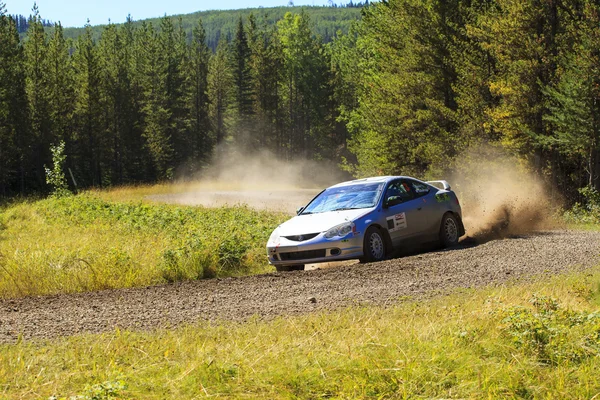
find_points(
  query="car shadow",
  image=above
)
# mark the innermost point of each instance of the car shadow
(464, 243)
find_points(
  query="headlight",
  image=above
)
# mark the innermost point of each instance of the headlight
(340, 230)
(274, 238)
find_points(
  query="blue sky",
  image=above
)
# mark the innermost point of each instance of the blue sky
(76, 12)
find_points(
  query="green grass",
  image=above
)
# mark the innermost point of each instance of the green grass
(88, 242)
(492, 343)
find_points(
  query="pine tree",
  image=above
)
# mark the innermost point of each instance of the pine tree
(575, 98)
(61, 89)
(155, 105)
(220, 82)
(306, 89)
(266, 73)
(243, 81)
(10, 59)
(405, 120)
(139, 165)
(38, 94)
(200, 141)
(476, 69)
(90, 150)
(115, 99)
(522, 37)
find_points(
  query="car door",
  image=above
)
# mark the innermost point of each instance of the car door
(401, 209)
(427, 206)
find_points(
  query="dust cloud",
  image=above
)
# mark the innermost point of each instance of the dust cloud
(258, 179)
(499, 196)
(263, 169)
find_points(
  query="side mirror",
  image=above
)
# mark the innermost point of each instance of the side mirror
(299, 210)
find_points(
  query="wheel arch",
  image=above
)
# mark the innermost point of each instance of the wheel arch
(384, 232)
(461, 226)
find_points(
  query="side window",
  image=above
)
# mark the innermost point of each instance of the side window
(398, 192)
(420, 189)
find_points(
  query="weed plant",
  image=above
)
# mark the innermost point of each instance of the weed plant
(536, 340)
(587, 212)
(82, 243)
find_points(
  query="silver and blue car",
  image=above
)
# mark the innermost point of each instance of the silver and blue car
(366, 219)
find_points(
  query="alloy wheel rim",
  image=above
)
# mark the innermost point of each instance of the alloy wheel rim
(376, 245)
(451, 230)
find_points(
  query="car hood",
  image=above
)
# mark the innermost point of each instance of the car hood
(321, 222)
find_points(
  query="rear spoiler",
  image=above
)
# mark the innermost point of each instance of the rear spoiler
(445, 185)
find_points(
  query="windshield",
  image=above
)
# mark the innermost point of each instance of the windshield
(364, 195)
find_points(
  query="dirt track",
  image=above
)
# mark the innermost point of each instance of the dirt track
(418, 276)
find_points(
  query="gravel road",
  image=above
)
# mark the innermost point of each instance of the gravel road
(418, 276)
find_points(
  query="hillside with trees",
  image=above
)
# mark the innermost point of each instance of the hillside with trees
(325, 22)
(411, 87)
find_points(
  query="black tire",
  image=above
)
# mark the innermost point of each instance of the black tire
(374, 246)
(449, 230)
(287, 268)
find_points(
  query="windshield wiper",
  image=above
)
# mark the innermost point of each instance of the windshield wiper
(347, 208)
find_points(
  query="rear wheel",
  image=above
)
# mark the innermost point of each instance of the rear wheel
(286, 268)
(449, 230)
(374, 248)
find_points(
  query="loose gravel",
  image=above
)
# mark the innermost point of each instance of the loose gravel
(423, 275)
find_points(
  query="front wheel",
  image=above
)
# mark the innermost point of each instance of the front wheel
(374, 246)
(449, 230)
(286, 268)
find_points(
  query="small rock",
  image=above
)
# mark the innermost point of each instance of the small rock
(313, 299)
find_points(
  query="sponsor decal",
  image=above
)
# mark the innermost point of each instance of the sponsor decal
(442, 197)
(396, 222)
(345, 240)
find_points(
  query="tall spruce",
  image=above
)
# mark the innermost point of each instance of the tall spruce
(221, 96)
(90, 145)
(171, 55)
(13, 109)
(200, 141)
(116, 101)
(523, 39)
(405, 115)
(575, 98)
(62, 93)
(38, 91)
(305, 77)
(155, 104)
(243, 81)
(266, 69)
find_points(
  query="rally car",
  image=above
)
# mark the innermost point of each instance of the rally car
(366, 219)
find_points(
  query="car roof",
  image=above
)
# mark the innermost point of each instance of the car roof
(373, 179)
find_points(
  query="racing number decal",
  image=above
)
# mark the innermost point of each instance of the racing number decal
(396, 222)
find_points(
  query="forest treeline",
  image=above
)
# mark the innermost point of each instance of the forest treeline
(148, 103)
(324, 21)
(413, 86)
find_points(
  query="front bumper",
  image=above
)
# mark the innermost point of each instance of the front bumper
(316, 250)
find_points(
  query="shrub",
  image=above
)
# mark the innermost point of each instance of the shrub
(552, 333)
(587, 212)
(55, 177)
